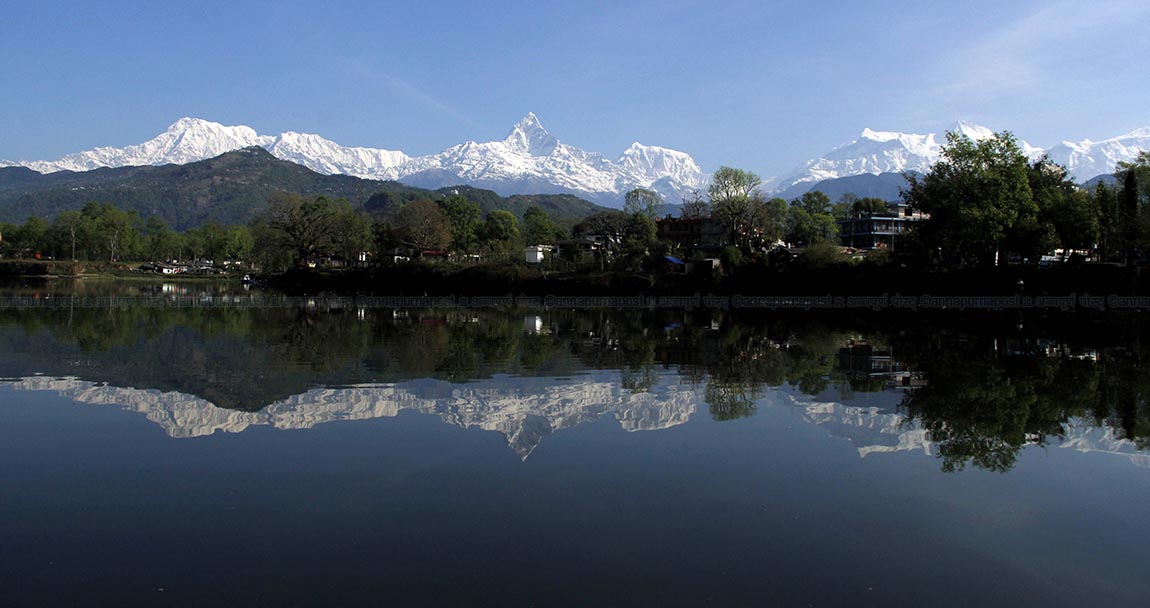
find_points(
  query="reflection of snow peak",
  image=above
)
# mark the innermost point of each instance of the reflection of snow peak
(876, 431)
(522, 409)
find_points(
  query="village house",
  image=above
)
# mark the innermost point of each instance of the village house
(877, 230)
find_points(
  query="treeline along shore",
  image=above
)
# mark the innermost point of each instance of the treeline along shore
(984, 222)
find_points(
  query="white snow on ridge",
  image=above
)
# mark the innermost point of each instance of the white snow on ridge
(528, 161)
(324, 156)
(878, 152)
(530, 158)
(186, 140)
(1086, 159)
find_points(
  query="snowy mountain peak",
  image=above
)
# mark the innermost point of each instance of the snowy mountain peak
(325, 156)
(873, 135)
(971, 130)
(877, 152)
(651, 163)
(529, 136)
(528, 161)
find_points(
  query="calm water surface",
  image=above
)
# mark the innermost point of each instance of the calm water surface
(331, 454)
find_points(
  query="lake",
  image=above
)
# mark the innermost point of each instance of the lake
(181, 444)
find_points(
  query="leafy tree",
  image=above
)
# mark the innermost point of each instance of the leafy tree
(1140, 167)
(300, 225)
(206, 241)
(731, 257)
(868, 206)
(115, 232)
(159, 241)
(820, 256)
(538, 228)
(500, 232)
(1111, 238)
(31, 238)
(464, 216)
(805, 228)
(69, 228)
(976, 194)
(738, 205)
(694, 206)
(422, 225)
(639, 237)
(1068, 216)
(642, 202)
(770, 220)
(607, 224)
(238, 243)
(1134, 198)
(814, 202)
(730, 184)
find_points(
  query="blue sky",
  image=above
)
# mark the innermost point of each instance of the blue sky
(759, 85)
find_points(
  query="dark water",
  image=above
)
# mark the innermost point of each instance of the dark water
(188, 448)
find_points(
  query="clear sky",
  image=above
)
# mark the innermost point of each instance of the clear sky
(759, 85)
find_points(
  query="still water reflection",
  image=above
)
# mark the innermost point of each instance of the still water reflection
(650, 457)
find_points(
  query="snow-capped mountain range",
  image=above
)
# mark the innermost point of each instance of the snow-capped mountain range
(876, 152)
(528, 161)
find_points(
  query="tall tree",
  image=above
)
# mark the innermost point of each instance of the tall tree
(694, 206)
(301, 225)
(501, 232)
(1131, 233)
(868, 206)
(975, 195)
(641, 201)
(815, 202)
(538, 228)
(735, 200)
(422, 225)
(1067, 216)
(465, 218)
(70, 225)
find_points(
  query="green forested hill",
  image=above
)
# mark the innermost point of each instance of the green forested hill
(229, 189)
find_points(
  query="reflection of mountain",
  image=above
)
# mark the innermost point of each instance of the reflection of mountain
(523, 410)
(877, 430)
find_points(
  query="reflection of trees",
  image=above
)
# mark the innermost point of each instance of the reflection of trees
(739, 360)
(982, 405)
(1123, 394)
(983, 401)
(812, 359)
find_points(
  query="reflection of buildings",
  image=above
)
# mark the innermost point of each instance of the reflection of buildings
(522, 409)
(878, 363)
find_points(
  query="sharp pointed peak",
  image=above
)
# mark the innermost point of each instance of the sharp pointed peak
(529, 135)
(971, 129)
(529, 123)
